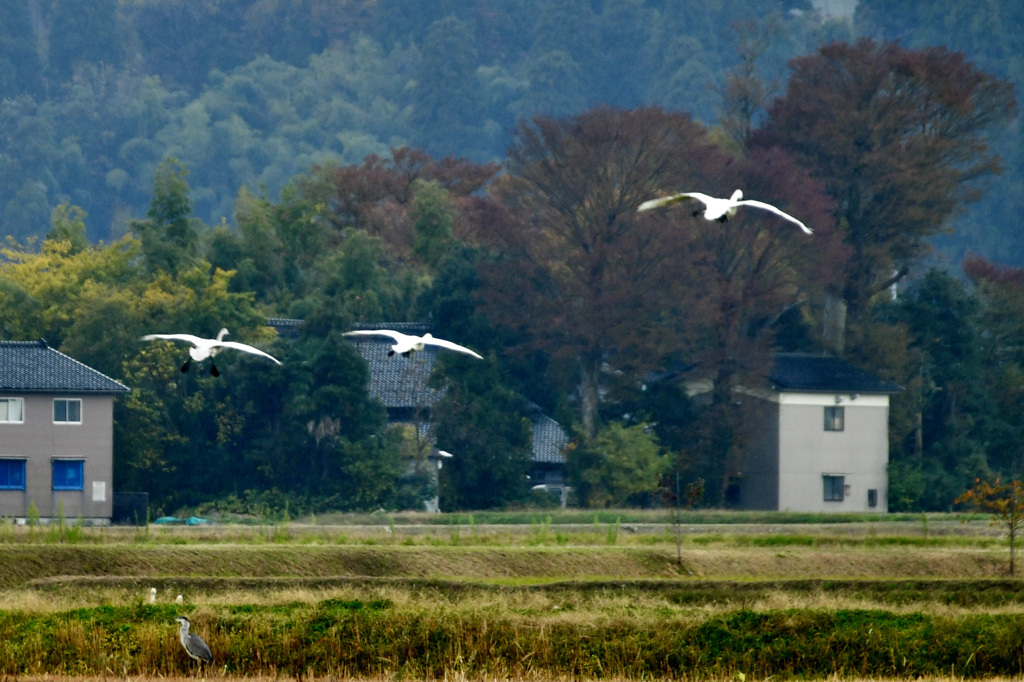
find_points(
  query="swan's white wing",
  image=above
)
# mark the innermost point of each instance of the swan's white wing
(769, 207)
(675, 198)
(194, 340)
(397, 336)
(451, 346)
(245, 348)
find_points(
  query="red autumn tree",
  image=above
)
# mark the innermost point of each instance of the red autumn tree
(582, 276)
(747, 273)
(608, 292)
(898, 138)
(377, 195)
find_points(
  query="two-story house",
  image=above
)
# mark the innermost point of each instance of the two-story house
(821, 438)
(56, 435)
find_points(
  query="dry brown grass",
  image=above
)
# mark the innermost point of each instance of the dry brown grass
(528, 577)
(682, 677)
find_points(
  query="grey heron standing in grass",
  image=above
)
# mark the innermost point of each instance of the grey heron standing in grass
(193, 643)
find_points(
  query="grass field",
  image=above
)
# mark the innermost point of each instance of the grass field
(529, 596)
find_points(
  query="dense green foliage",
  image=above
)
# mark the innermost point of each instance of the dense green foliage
(274, 181)
(96, 93)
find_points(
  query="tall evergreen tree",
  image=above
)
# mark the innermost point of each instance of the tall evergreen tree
(82, 31)
(20, 68)
(169, 234)
(447, 95)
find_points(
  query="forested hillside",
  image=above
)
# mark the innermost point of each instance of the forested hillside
(173, 166)
(95, 93)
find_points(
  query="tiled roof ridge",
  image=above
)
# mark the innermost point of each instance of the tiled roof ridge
(87, 367)
(59, 373)
(396, 326)
(41, 343)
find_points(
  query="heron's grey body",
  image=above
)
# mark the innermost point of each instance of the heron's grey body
(193, 643)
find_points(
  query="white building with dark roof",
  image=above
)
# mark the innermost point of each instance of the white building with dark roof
(821, 438)
(56, 435)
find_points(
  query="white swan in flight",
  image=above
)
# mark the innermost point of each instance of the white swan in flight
(406, 344)
(719, 209)
(208, 348)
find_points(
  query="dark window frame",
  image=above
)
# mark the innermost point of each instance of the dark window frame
(835, 418)
(65, 414)
(835, 488)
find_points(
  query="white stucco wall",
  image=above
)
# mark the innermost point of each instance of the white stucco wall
(807, 452)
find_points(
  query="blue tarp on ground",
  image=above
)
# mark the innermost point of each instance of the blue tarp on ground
(190, 521)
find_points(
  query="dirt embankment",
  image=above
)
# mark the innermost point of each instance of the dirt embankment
(21, 565)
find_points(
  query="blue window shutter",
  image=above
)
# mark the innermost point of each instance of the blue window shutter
(68, 474)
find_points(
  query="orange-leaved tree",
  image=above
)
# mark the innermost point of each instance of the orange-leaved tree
(1004, 501)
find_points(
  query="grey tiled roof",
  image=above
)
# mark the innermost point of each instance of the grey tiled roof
(400, 383)
(34, 367)
(397, 381)
(549, 439)
(286, 327)
(824, 374)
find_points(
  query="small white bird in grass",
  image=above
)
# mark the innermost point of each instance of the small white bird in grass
(719, 209)
(208, 348)
(179, 600)
(406, 344)
(152, 595)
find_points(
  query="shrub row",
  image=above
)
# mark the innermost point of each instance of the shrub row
(376, 639)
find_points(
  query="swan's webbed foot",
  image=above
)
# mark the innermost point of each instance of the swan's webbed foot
(184, 368)
(214, 371)
(406, 353)
(391, 352)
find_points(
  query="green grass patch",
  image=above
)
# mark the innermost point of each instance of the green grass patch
(376, 639)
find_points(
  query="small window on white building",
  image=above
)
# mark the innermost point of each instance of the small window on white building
(67, 410)
(834, 488)
(872, 497)
(834, 418)
(12, 410)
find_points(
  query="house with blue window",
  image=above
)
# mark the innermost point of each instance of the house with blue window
(56, 435)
